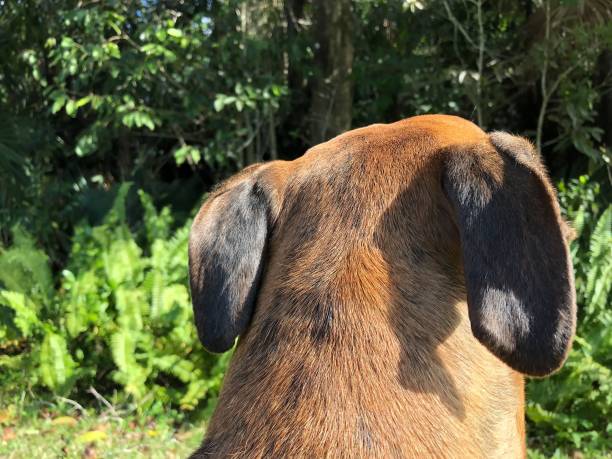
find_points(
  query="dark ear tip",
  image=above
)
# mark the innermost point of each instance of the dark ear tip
(216, 339)
(526, 360)
(215, 345)
(540, 369)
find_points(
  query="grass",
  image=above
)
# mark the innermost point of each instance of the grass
(65, 430)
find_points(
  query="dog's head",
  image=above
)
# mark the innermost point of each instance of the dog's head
(433, 186)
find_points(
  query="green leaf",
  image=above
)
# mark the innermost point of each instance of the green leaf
(87, 143)
(147, 121)
(112, 50)
(187, 151)
(71, 108)
(219, 102)
(67, 42)
(160, 34)
(58, 103)
(176, 33)
(82, 101)
(129, 119)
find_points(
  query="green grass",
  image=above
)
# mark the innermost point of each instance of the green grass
(64, 429)
(53, 430)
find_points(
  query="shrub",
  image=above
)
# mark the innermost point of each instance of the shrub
(120, 318)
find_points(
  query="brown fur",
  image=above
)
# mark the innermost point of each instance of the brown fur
(360, 342)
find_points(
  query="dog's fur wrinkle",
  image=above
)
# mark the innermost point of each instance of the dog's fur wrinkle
(389, 288)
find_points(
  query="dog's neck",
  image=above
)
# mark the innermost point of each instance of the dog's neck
(396, 369)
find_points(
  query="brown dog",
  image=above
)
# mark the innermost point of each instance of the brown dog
(390, 288)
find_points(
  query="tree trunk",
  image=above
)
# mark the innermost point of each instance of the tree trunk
(294, 11)
(294, 123)
(605, 108)
(332, 98)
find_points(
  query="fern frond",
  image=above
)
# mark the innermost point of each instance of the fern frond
(25, 319)
(24, 268)
(56, 364)
(601, 238)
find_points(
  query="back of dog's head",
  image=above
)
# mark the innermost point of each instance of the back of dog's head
(381, 220)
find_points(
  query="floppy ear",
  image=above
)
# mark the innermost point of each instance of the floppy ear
(518, 273)
(226, 252)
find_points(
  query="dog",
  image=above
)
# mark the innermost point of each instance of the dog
(390, 289)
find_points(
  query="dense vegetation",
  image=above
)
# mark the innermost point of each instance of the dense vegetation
(117, 117)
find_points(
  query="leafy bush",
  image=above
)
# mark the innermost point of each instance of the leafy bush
(573, 409)
(120, 318)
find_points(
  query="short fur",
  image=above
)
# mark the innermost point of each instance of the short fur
(390, 287)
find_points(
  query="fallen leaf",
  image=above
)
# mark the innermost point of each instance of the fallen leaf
(64, 421)
(182, 436)
(5, 416)
(92, 436)
(8, 434)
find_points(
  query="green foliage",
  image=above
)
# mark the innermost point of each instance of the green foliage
(174, 96)
(573, 409)
(25, 274)
(119, 68)
(124, 91)
(120, 318)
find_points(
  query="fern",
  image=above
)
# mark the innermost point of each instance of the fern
(129, 373)
(120, 319)
(602, 234)
(24, 268)
(117, 215)
(598, 279)
(175, 365)
(83, 305)
(56, 364)
(122, 262)
(157, 225)
(123, 349)
(154, 283)
(129, 305)
(576, 403)
(24, 319)
(25, 284)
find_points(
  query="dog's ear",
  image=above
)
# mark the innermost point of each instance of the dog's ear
(518, 272)
(227, 247)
